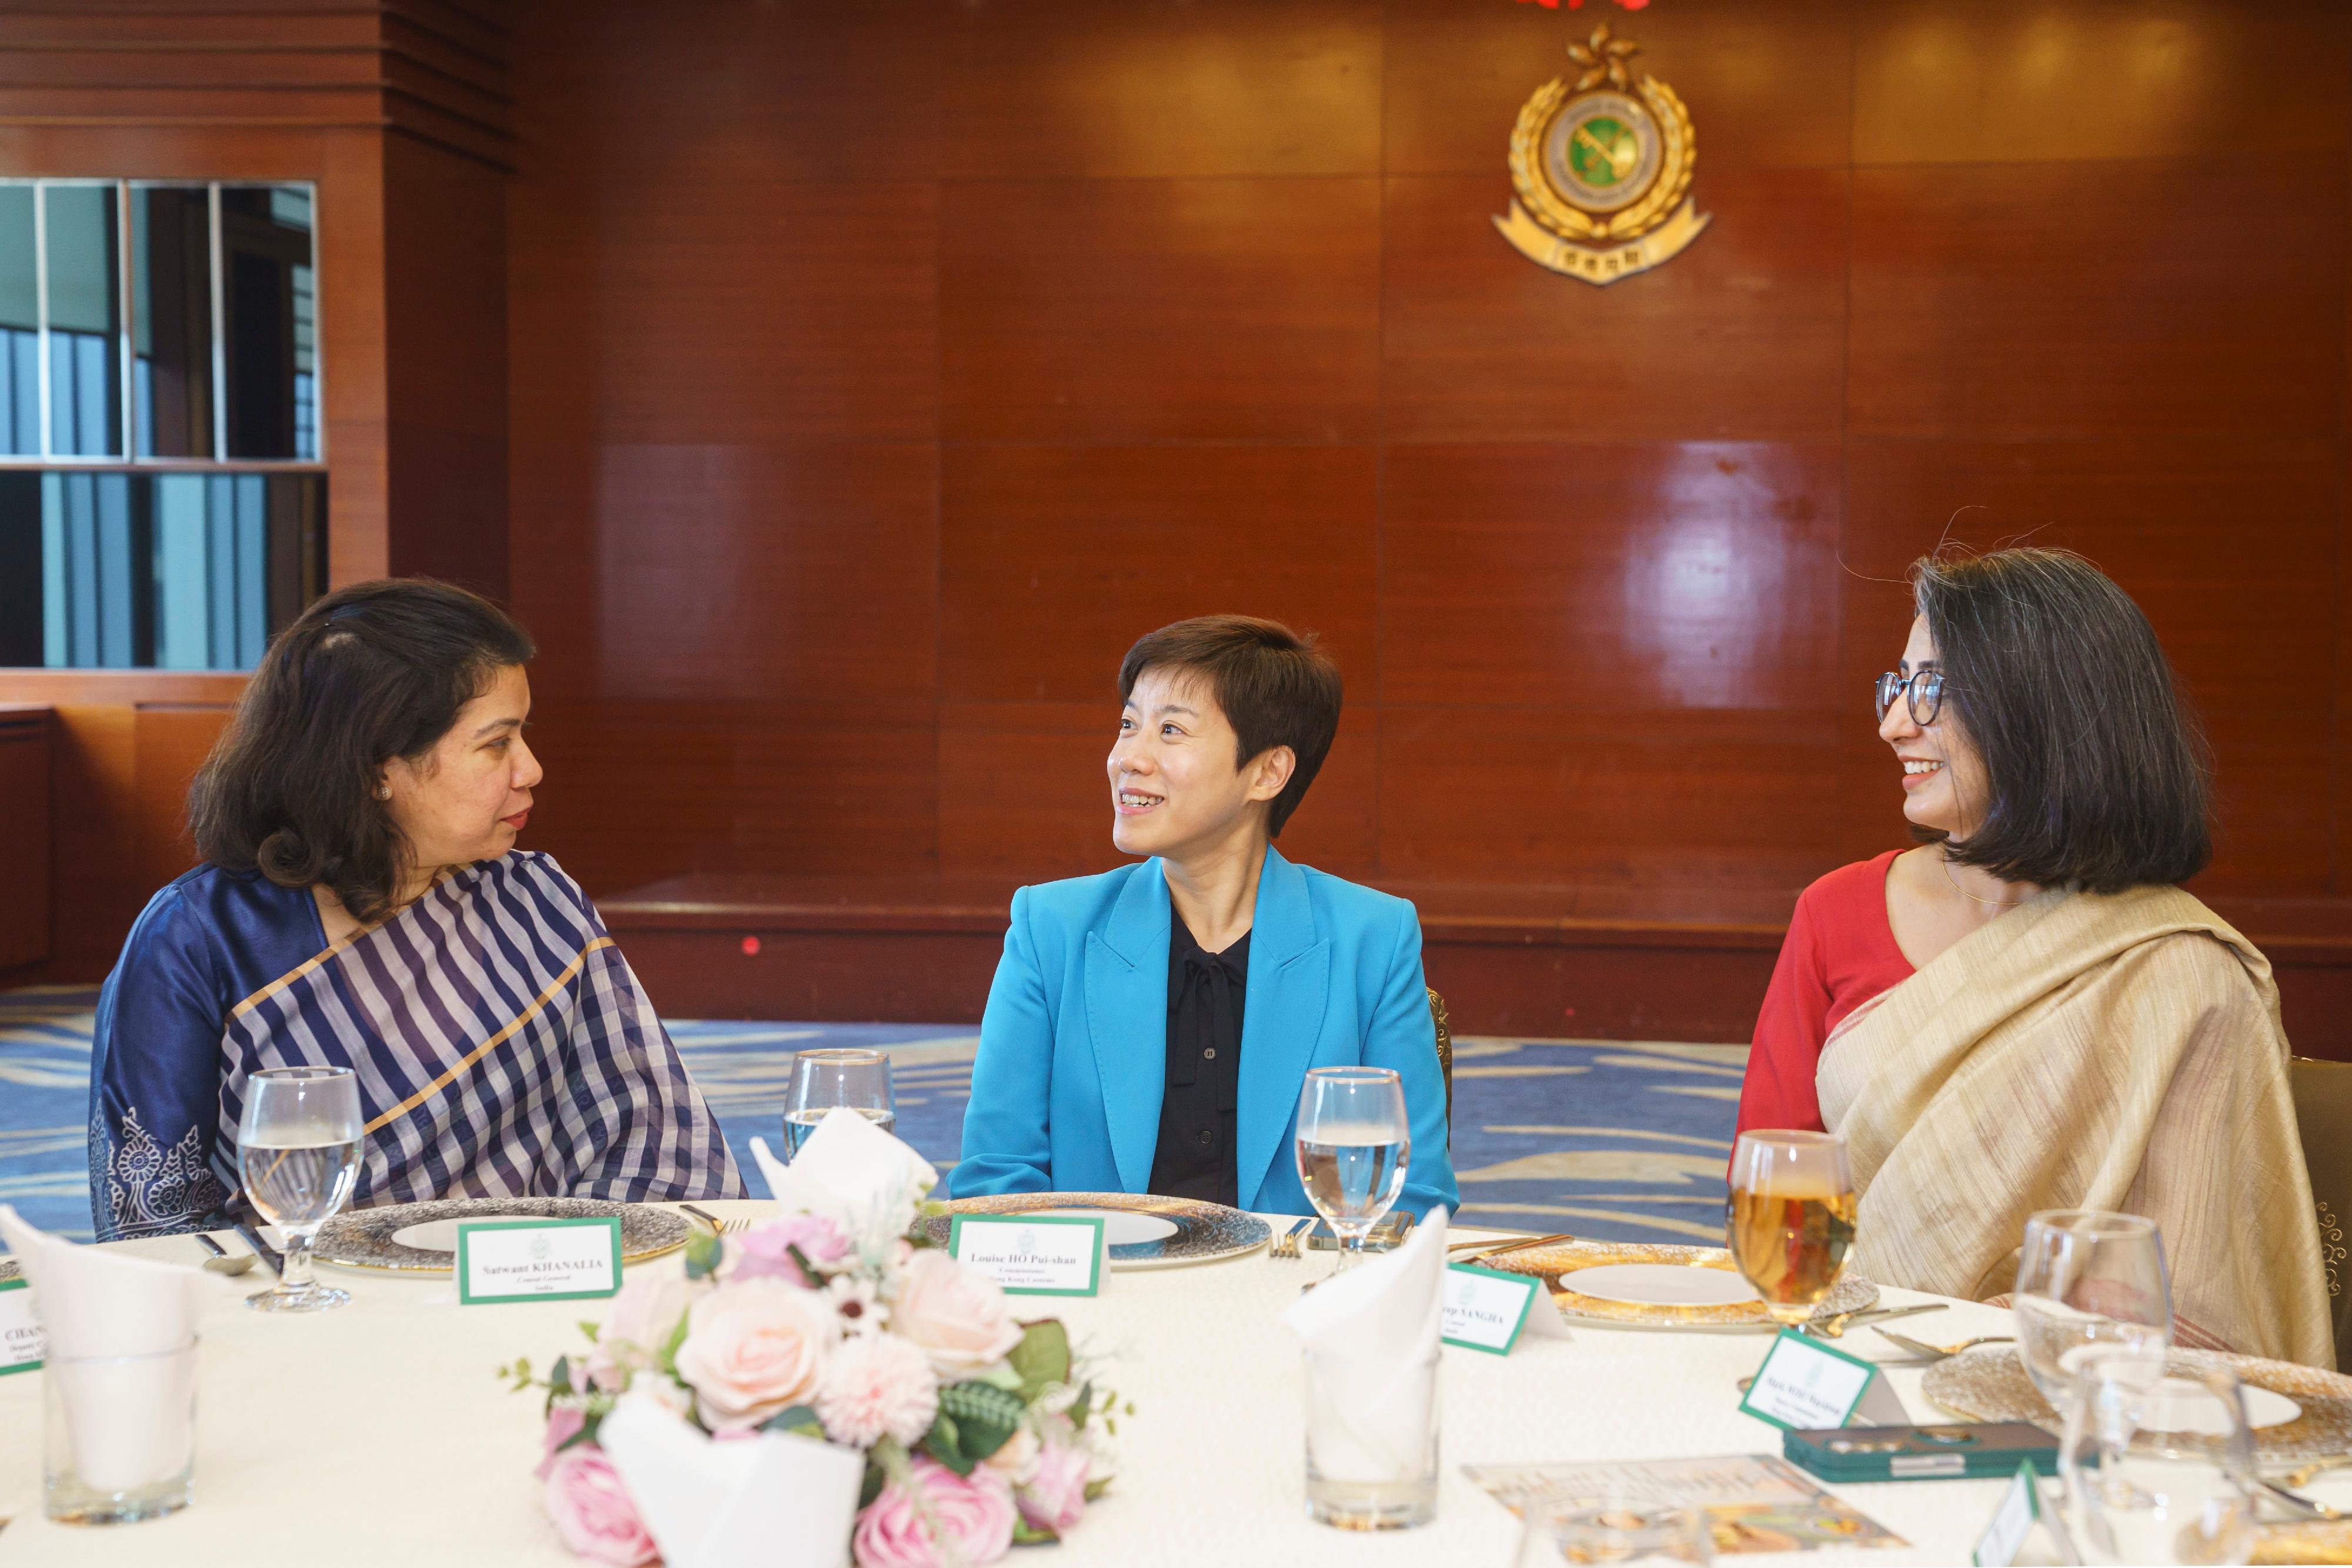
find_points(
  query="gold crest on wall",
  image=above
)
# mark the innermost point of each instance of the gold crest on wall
(1603, 169)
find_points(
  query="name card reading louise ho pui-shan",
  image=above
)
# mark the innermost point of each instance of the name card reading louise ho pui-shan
(538, 1259)
(1032, 1254)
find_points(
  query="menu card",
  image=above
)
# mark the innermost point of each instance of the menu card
(1754, 1503)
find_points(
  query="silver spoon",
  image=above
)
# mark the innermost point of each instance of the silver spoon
(221, 1261)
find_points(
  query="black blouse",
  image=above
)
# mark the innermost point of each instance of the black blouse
(1194, 1158)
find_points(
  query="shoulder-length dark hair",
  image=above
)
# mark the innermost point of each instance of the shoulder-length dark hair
(2099, 776)
(372, 672)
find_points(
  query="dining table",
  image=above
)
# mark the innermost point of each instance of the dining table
(382, 1432)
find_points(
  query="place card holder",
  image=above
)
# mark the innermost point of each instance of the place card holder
(1487, 1309)
(21, 1343)
(1804, 1385)
(1032, 1254)
(2014, 1521)
(538, 1259)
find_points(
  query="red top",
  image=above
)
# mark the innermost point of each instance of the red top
(1840, 952)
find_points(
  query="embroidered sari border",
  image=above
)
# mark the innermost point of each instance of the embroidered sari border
(450, 1074)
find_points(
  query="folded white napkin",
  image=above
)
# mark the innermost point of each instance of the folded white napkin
(131, 1420)
(851, 1171)
(777, 1500)
(1369, 1333)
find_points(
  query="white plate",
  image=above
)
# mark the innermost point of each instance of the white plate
(1120, 1228)
(1659, 1285)
(2182, 1405)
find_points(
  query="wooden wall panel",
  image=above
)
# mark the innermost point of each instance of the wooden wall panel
(24, 749)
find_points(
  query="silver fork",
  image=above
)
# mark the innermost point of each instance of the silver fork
(1287, 1244)
(718, 1226)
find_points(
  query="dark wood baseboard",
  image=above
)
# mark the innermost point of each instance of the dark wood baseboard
(1674, 964)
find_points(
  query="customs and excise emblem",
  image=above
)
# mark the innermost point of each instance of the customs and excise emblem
(1603, 169)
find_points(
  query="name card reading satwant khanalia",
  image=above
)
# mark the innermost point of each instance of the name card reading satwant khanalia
(1805, 1385)
(20, 1329)
(538, 1259)
(1032, 1254)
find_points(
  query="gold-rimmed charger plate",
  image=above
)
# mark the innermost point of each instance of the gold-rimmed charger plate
(370, 1237)
(1195, 1232)
(1990, 1384)
(1851, 1294)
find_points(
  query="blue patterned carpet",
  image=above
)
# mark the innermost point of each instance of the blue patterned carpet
(1611, 1139)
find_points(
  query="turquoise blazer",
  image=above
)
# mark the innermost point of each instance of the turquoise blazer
(1074, 1047)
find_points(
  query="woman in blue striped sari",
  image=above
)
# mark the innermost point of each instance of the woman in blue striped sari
(361, 904)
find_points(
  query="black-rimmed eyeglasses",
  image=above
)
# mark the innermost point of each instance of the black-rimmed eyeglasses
(1924, 691)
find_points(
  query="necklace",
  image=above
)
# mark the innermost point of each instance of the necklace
(1945, 860)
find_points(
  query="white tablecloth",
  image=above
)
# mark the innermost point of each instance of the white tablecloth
(379, 1433)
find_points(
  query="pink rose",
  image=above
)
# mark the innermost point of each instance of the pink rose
(959, 1316)
(975, 1515)
(1056, 1498)
(564, 1422)
(754, 1347)
(763, 1252)
(592, 1511)
(877, 1386)
(643, 1317)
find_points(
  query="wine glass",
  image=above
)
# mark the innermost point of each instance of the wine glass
(1790, 1221)
(857, 1077)
(2092, 1286)
(1354, 1145)
(2185, 1493)
(298, 1155)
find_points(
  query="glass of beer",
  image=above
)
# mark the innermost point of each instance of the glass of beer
(1790, 1222)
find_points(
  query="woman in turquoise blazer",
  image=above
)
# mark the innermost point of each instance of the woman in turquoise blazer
(1225, 721)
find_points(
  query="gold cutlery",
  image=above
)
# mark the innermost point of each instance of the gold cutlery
(1287, 1244)
(718, 1226)
(1835, 1327)
(2301, 1475)
(2308, 1507)
(1490, 1248)
(1921, 1347)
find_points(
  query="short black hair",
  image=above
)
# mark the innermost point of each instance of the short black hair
(2099, 775)
(1275, 686)
(372, 672)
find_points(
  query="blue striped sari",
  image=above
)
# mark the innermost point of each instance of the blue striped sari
(502, 1046)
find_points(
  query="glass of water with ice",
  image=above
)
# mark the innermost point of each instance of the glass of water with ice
(822, 1079)
(298, 1155)
(1354, 1144)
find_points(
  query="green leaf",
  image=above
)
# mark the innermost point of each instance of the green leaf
(871, 1487)
(799, 1419)
(703, 1252)
(1082, 1408)
(1027, 1534)
(591, 1330)
(559, 1377)
(1043, 1356)
(985, 1417)
(668, 1360)
(1096, 1489)
(944, 1443)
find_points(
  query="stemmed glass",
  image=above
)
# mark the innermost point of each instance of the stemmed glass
(2186, 1492)
(1354, 1146)
(1790, 1221)
(855, 1077)
(298, 1155)
(2092, 1287)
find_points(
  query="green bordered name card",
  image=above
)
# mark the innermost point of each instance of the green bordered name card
(1032, 1254)
(1487, 1309)
(1805, 1385)
(538, 1259)
(2012, 1521)
(20, 1327)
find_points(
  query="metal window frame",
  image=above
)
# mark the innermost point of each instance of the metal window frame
(48, 458)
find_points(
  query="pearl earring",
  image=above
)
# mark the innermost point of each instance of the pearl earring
(383, 792)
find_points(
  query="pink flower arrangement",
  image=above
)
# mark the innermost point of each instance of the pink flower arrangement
(592, 1511)
(975, 1428)
(974, 1513)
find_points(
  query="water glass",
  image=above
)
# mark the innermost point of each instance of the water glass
(298, 1155)
(2185, 1493)
(1371, 1441)
(1354, 1147)
(1789, 1223)
(119, 1438)
(857, 1078)
(2091, 1285)
(1614, 1530)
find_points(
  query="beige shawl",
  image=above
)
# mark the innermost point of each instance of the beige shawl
(2093, 1051)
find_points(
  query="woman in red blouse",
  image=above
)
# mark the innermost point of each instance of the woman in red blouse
(2023, 1012)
